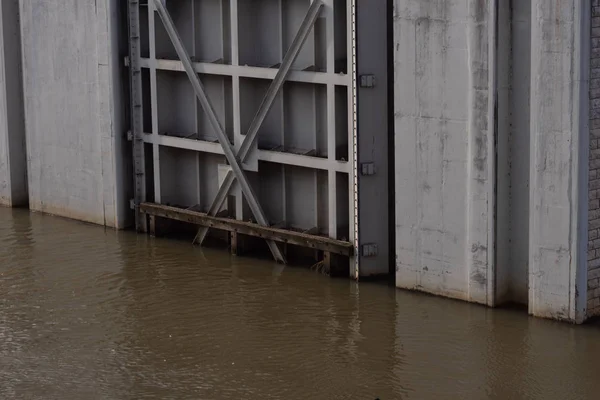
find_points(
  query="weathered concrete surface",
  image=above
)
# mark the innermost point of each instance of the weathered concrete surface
(559, 149)
(13, 165)
(74, 109)
(519, 138)
(492, 145)
(444, 147)
(512, 218)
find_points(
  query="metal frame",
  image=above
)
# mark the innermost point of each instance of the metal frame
(274, 88)
(353, 127)
(135, 71)
(216, 125)
(239, 71)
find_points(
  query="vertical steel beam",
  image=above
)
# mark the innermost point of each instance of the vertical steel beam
(154, 102)
(331, 123)
(196, 113)
(263, 110)
(372, 138)
(137, 129)
(215, 124)
(238, 137)
(353, 137)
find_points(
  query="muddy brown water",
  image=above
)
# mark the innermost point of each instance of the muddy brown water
(89, 313)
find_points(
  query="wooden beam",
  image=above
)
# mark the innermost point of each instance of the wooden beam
(250, 229)
(233, 242)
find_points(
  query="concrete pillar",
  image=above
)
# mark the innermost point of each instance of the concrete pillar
(492, 152)
(444, 147)
(74, 85)
(13, 165)
(559, 159)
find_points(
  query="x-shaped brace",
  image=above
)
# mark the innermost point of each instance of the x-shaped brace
(232, 159)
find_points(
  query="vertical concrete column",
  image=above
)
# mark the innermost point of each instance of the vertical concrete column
(559, 159)
(13, 160)
(444, 147)
(481, 128)
(73, 98)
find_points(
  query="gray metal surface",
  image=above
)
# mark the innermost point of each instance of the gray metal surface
(265, 107)
(216, 126)
(13, 156)
(137, 113)
(296, 148)
(373, 133)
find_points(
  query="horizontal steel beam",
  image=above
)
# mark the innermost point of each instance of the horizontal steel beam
(244, 71)
(277, 157)
(247, 228)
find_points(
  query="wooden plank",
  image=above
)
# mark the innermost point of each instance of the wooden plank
(248, 228)
(233, 241)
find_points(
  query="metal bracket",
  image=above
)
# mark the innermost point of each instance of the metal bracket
(369, 250)
(132, 204)
(367, 169)
(129, 136)
(368, 81)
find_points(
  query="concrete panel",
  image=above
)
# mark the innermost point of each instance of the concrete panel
(559, 149)
(13, 160)
(519, 157)
(444, 137)
(514, 66)
(77, 158)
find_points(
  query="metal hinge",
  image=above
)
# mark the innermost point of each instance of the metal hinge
(367, 169)
(132, 204)
(368, 81)
(369, 250)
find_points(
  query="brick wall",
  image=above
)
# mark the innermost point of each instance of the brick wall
(594, 179)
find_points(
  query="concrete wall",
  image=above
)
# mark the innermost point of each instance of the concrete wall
(491, 152)
(593, 286)
(74, 109)
(13, 164)
(444, 147)
(559, 158)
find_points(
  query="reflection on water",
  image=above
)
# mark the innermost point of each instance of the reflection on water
(89, 313)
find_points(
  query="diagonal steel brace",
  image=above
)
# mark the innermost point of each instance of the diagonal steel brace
(216, 125)
(265, 107)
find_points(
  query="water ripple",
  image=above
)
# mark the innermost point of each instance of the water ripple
(91, 313)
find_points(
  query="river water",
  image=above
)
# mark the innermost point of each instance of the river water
(89, 313)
